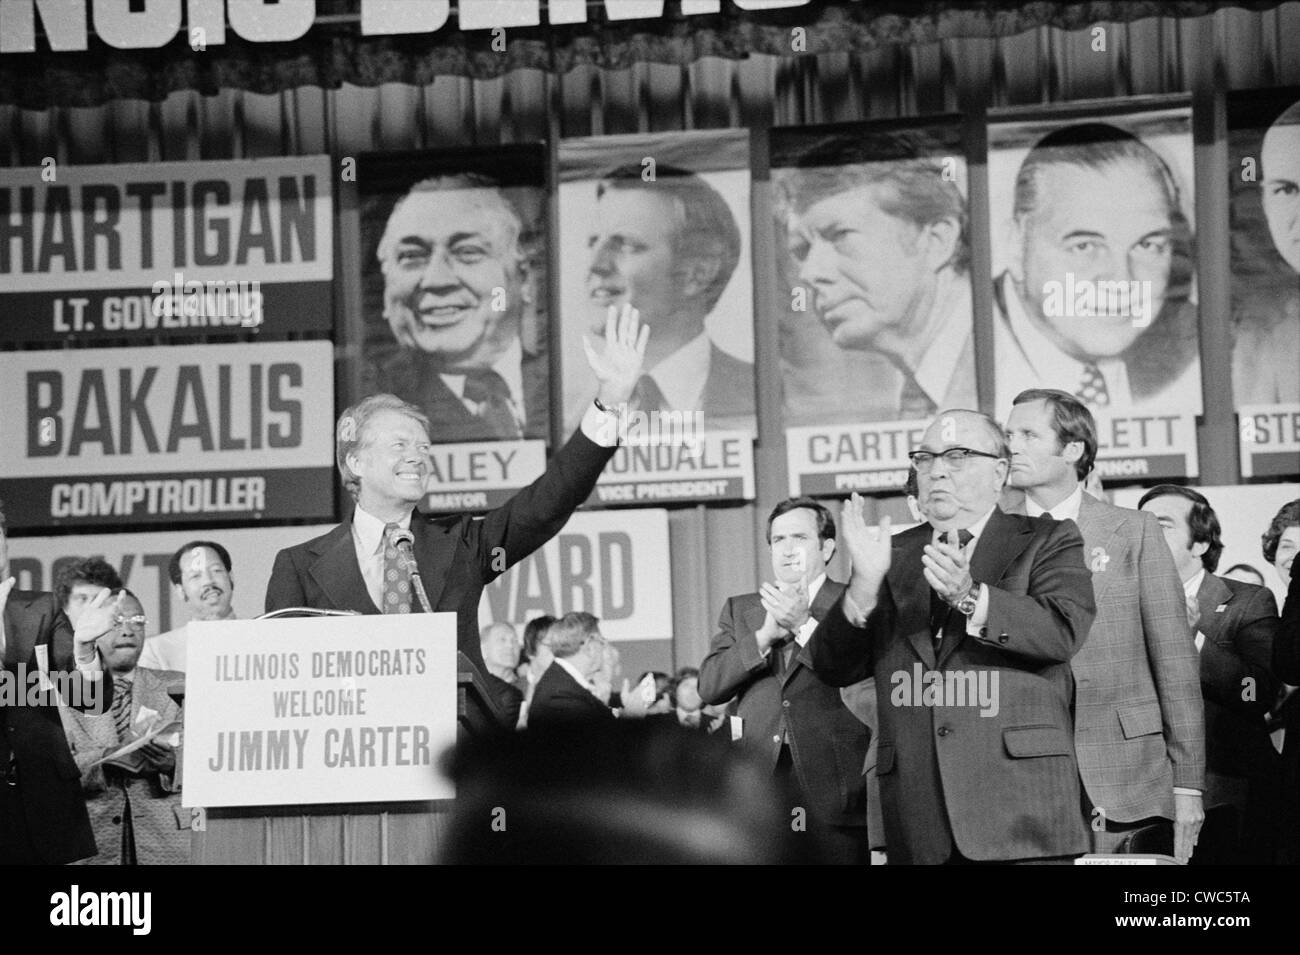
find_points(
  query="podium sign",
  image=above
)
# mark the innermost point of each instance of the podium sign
(319, 710)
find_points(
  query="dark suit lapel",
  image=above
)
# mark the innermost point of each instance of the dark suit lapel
(1212, 595)
(433, 554)
(827, 596)
(338, 574)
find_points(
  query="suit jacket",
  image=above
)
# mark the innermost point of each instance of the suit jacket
(410, 376)
(828, 744)
(457, 554)
(1139, 724)
(729, 399)
(508, 696)
(560, 700)
(1239, 621)
(997, 782)
(160, 825)
(32, 736)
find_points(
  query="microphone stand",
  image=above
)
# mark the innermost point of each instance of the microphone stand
(404, 548)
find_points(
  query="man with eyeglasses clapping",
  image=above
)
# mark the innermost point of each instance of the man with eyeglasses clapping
(968, 622)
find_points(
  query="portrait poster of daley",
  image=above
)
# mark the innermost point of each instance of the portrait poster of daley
(454, 303)
(873, 295)
(1264, 183)
(662, 221)
(1091, 209)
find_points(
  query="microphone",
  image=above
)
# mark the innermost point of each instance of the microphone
(404, 541)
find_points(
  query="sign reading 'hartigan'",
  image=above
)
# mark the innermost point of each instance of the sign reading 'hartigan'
(66, 23)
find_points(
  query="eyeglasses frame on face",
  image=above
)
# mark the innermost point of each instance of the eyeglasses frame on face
(137, 618)
(923, 461)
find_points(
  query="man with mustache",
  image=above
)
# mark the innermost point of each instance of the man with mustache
(457, 284)
(135, 813)
(668, 247)
(200, 576)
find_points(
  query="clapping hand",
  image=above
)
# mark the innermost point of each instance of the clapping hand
(946, 567)
(618, 365)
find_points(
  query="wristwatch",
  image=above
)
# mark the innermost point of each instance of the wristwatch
(969, 601)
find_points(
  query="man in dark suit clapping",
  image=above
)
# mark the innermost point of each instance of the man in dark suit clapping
(785, 711)
(971, 636)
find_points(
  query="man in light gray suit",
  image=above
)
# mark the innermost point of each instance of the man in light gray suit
(1139, 717)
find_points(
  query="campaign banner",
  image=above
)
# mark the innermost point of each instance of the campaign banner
(479, 477)
(158, 435)
(1136, 447)
(1092, 209)
(453, 280)
(871, 258)
(867, 458)
(1262, 170)
(319, 710)
(660, 221)
(142, 560)
(613, 564)
(1270, 440)
(706, 466)
(176, 250)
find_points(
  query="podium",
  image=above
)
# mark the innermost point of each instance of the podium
(344, 833)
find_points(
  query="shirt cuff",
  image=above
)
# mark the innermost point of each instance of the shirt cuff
(806, 631)
(92, 670)
(853, 613)
(1184, 791)
(976, 621)
(600, 426)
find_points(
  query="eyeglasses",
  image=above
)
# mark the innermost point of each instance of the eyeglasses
(954, 458)
(134, 623)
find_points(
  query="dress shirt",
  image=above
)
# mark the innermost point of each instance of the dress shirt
(937, 369)
(510, 367)
(1066, 510)
(368, 539)
(681, 376)
(1192, 590)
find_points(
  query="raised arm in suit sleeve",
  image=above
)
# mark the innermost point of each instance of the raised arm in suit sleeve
(1286, 647)
(284, 589)
(1228, 668)
(733, 659)
(843, 654)
(1175, 666)
(1050, 621)
(536, 514)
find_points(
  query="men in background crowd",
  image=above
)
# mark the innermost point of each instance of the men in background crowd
(883, 247)
(1095, 204)
(42, 813)
(134, 802)
(565, 694)
(687, 703)
(970, 635)
(382, 450)
(500, 647)
(668, 247)
(537, 658)
(456, 286)
(1235, 625)
(79, 581)
(200, 576)
(1139, 725)
(786, 712)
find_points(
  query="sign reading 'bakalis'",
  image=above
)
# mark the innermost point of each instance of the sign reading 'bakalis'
(210, 433)
(178, 250)
(157, 23)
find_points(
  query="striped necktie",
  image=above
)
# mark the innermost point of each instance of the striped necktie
(121, 708)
